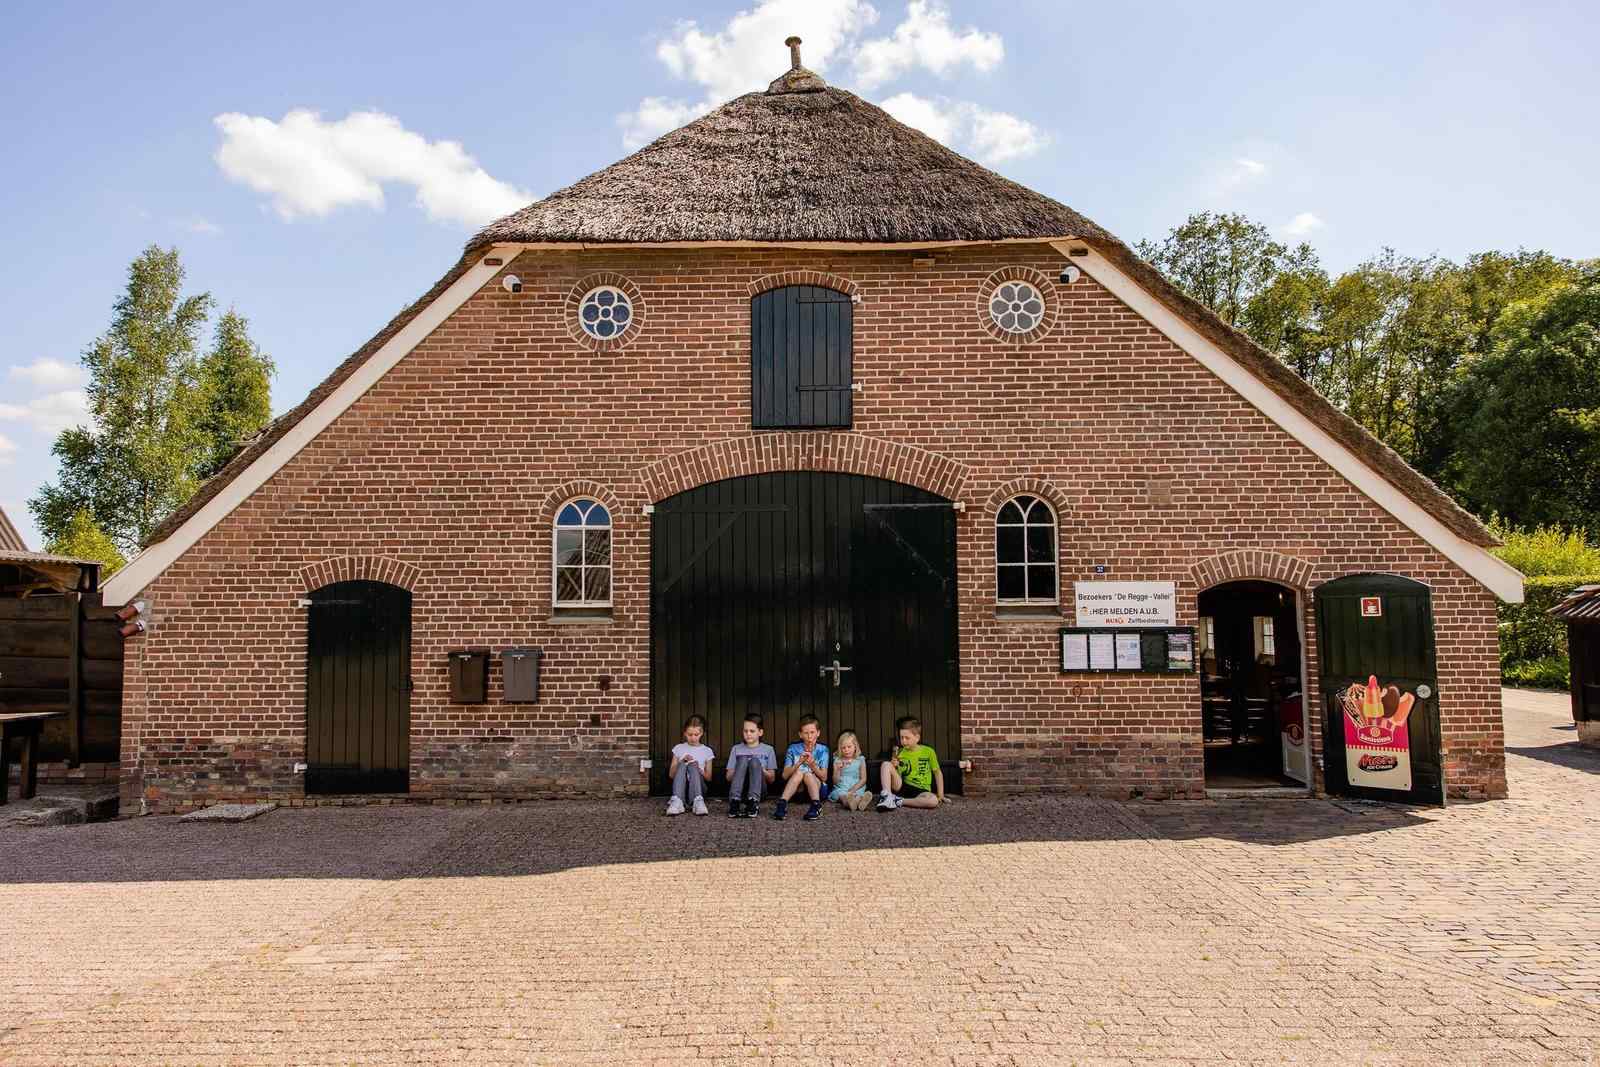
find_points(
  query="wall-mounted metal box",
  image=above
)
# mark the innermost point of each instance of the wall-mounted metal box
(521, 666)
(469, 676)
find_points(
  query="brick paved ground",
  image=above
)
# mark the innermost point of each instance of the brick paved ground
(1054, 930)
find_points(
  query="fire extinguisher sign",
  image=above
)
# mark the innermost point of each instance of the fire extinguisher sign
(1372, 607)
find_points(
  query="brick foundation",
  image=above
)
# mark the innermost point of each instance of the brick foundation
(444, 476)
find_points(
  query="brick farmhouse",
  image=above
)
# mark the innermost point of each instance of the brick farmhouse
(796, 388)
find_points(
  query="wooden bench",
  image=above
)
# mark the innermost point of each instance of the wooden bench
(25, 726)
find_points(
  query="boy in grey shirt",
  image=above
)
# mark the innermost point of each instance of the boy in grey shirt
(751, 765)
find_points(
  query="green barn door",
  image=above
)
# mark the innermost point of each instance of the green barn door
(1380, 692)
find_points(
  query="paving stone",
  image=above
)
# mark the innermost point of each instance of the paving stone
(1043, 930)
(227, 813)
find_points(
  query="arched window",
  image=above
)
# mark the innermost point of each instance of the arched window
(1025, 552)
(582, 551)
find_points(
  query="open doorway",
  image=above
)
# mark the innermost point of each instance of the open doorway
(1252, 702)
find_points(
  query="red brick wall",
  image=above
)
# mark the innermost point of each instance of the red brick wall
(444, 477)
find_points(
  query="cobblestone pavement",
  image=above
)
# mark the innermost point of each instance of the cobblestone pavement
(1042, 930)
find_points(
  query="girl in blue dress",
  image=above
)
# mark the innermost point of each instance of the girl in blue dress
(850, 774)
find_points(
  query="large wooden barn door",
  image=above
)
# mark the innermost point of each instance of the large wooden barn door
(1379, 689)
(358, 689)
(760, 583)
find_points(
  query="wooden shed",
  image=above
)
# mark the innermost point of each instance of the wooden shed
(1581, 612)
(61, 651)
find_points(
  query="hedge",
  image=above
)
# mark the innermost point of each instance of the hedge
(1533, 646)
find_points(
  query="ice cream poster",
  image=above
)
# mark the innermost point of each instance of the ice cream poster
(1377, 741)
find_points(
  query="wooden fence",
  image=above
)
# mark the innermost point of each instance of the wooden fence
(64, 653)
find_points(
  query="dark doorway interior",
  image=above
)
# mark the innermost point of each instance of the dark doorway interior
(358, 689)
(1250, 679)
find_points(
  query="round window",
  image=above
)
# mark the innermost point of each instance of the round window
(1016, 307)
(605, 312)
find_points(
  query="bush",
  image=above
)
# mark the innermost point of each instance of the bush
(1547, 550)
(1527, 632)
(1547, 672)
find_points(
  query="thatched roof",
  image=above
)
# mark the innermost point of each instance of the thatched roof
(820, 166)
(10, 539)
(805, 163)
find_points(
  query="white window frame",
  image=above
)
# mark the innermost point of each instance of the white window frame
(1055, 552)
(622, 298)
(584, 566)
(1014, 330)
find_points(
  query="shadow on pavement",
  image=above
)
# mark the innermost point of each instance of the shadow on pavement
(405, 841)
(1572, 754)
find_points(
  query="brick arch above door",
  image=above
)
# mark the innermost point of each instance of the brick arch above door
(765, 453)
(1247, 563)
(314, 576)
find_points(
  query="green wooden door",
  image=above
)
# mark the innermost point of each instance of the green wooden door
(1380, 691)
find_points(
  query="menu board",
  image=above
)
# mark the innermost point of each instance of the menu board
(1118, 650)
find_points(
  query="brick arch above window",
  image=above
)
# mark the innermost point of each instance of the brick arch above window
(1251, 563)
(566, 491)
(843, 453)
(325, 572)
(1039, 487)
(769, 282)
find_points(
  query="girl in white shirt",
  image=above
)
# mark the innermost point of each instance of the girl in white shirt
(690, 769)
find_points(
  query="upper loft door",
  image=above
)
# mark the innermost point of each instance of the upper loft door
(801, 351)
(1380, 691)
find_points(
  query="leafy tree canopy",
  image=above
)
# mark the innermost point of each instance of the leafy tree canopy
(82, 539)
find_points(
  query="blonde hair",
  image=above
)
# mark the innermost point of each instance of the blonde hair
(838, 745)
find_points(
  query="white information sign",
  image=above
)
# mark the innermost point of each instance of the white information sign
(1127, 603)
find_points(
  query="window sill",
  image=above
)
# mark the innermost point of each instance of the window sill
(1042, 614)
(565, 619)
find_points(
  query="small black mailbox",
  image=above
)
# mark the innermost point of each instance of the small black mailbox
(522, 674)
(469, 676)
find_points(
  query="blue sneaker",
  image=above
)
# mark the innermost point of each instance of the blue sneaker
(814, 812)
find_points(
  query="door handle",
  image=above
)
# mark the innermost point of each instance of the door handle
(836, 670)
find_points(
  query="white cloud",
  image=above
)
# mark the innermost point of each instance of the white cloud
(49, 374)
(51, 413)
(991, 136)
(203, 227)
(748, 52)
(311, 166)
(7, 447)
(745, 55)
(655, 116)
(924, 39)
(1249, 168)
(1302, 225)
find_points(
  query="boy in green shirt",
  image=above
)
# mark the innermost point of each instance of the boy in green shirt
(910, 776)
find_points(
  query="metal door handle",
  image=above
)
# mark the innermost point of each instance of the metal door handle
(836, 670)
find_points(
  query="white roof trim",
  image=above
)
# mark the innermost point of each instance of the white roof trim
(1499, 577)
(148, 565)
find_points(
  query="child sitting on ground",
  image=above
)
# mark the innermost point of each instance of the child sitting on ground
(690, 769)
(751, 765)
(805, 763)
(850, 774)
(910, 776)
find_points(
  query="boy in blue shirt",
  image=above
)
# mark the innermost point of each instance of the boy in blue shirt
(805, 763)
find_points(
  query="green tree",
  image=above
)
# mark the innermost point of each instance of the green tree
(236, 392)
(82, 539)
(1529, 445)
(1221, 260)
(137, 459)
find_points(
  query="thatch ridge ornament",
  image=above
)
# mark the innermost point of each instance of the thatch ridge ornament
(797, 79)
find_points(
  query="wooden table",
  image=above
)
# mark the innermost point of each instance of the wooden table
(26, 726)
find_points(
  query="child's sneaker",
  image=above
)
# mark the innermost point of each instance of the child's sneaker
(735, 809)
(700, 806)
(814, 812)
(888, 802)
(780, 811)
(752, 808)
(675, 806)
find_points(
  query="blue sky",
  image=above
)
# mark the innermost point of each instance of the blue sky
(303, 162)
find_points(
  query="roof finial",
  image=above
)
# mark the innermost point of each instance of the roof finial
(794, 52)
(797, 79)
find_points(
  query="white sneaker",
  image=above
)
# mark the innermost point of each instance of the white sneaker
(888, 802)
(675, 806)
(700, 806)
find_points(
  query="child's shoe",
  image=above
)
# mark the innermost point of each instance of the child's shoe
(780, 811)
(700, 806)
(888, 802)
(752, 808)
(814, 812)
(735, 809)
(675, 806)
